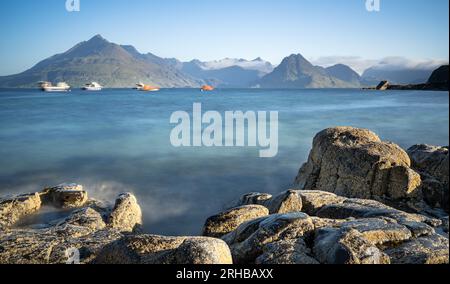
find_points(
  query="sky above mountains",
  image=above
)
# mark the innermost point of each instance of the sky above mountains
(410, 32)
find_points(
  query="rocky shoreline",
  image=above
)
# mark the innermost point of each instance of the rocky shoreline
(359, 200)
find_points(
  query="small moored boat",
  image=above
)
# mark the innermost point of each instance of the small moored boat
(93, 86)
(207, 88)
(146, 88)
(60, 87)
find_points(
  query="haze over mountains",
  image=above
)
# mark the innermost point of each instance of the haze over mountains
(116, 66)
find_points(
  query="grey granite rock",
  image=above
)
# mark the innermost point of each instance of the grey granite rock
(151, 249)
(355, 163)
(226, 222)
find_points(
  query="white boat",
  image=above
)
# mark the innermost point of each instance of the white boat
(139, 86)
(94, 86)
(60, 87)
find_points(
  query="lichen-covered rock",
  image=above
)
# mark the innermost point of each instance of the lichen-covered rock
(223, 223)
(76, 238)
(292, 251)
(86, 217)
(379, 231)
(247, 242)
(87, 246)
(64, 196)
(151, 249)
(433, 249)
(126, 215)
(360, 208)
(354, 162)
(346, 246)
(314, 200)
(286, 202)
(50, 246)
(203, 251)
(253, 198)
(13, 208)
(432, 162)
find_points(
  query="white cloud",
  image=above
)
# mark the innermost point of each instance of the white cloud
(360, 64)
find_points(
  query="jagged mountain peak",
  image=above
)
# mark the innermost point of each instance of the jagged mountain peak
(105, 62)
(295, 71)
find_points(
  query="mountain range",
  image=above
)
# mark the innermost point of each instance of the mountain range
(116, 66)
(297, 72)
(99, 60)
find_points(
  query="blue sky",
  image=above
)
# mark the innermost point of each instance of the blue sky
(213, 29)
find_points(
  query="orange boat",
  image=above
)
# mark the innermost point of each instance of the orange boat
(146, 88)
(207, 88)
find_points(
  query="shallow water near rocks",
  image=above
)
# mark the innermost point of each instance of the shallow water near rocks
(118, 140)
(45, 217)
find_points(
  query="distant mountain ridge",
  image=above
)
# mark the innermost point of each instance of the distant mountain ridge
(227, 73)
(297, 72)
(114, 65)
(108, 63)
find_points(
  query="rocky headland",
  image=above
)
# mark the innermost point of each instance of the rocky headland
(438, 81)
(358, 200)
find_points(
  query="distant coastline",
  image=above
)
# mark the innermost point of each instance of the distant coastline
(438, 81)
(122, 66)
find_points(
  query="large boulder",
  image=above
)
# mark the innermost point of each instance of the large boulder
(151, 249)
(354, 162)
(346, 246)
(223, 223)
(126, 215)
(13, 208)
(248, 240)
(432, 162)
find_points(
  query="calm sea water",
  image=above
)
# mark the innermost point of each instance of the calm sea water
(118, 140)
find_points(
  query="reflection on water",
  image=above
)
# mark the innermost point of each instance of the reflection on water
(118, 140)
